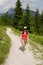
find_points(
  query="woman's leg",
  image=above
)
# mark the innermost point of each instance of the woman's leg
(25, 41)
(23, 44)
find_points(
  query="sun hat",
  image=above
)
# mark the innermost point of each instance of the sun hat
(25, 27)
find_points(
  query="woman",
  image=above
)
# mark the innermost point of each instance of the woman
(24, 37)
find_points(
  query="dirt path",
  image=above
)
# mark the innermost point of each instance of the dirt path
(16, 56)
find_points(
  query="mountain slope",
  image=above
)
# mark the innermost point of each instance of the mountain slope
(11, 12)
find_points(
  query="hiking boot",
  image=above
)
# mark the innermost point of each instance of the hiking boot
(22, 48)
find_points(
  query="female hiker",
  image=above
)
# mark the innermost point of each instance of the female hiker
(24, 37)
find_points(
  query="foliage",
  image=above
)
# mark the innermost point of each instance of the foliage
(27, 18)
(37, 21)
(4, 44)
(18, 14)
(41, 24)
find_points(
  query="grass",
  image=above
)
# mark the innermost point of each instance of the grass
(4, 44)
(37, 47)
(36, 38)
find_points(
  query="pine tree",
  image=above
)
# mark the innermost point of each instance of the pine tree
(27, 18)
(32, 27)
(1, 20)
(37, 21)
(41, 24)
(18, 14)
(5, 18)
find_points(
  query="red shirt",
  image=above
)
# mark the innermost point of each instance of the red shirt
(24, 35)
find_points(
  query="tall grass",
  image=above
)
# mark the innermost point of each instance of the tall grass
(36, 38)
(4, 44)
